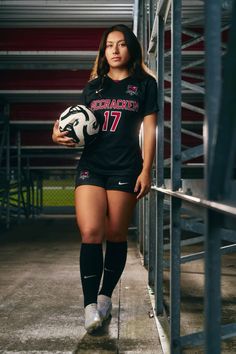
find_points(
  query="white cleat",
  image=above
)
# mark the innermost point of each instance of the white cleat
(104, 306)
(92, 318)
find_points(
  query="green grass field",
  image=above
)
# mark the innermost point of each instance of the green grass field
(58, 197)
(58, 192)
(55, 193)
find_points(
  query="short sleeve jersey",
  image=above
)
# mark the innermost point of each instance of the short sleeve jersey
(119, 107)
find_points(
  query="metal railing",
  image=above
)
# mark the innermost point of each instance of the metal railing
(183, 43)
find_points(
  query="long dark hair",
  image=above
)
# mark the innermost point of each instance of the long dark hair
(135, 65)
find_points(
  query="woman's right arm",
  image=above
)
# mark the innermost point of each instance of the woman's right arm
(61, 137)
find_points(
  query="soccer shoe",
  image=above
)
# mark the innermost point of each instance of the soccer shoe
(104, 306)
(92, 318)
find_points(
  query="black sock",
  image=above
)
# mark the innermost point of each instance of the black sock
(91, 267)
(115, 259)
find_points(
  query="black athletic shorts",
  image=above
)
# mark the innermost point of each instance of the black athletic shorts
(124, 183)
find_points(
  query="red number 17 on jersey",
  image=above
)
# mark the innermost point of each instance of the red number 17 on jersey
(116, 118)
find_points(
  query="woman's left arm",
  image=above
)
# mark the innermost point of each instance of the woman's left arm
(143, 183)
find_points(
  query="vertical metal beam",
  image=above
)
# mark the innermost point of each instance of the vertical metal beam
(8, 166)
(226, 127)
(135, 16)
(143, 203)
(175, 262)
(152, 239)
(32, 199)
(175, 204)
(212, 74)
(212, 291)
(141, 20)
(39, 193)
(141, 225)
(146, 233)
(138, 30)
(19, 181)
(212, 294)
(160, 170)
(145, 30)
(36, 192)
(151, 14)
(28, 190)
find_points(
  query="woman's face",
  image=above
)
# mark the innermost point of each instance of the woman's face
(116, 51)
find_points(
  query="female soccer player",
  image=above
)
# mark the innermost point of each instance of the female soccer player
(112, 173)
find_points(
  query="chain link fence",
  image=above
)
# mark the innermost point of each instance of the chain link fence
(57, 192)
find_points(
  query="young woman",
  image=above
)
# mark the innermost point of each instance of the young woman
(112, 173)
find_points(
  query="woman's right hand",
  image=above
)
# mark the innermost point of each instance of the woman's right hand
(61, 138)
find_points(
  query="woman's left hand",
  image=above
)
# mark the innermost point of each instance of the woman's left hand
(143, 184)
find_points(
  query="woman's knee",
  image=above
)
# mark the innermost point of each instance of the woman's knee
(116, 236)
(91, 235)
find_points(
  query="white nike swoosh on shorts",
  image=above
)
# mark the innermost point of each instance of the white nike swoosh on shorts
(122, 183)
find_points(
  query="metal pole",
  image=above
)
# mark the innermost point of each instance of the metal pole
(141, 20)
(152, 239)
(160, 170)
(212, 295)
(8, 176)
(135, 16)
(28, 186)
(141, 225)
(145, 30)
(19, 182)
(151, 14)
(175, 204)
(226, 124)
(146, 233)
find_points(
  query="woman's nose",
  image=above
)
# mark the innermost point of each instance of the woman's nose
(115, 49)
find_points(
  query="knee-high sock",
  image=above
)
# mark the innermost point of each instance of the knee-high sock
(91, 267)
(115, 259)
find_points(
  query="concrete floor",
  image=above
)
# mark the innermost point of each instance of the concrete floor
(41, 299)
(192, 297)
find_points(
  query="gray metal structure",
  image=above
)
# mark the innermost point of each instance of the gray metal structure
(186, 196)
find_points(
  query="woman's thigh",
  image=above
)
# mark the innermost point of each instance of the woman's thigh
(120, 208)
(91, 209)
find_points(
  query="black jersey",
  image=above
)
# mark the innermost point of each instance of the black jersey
(120, 107)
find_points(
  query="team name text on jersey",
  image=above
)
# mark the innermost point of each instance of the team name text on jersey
(128, 105)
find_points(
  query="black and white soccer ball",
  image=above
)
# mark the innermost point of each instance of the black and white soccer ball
(81, 124)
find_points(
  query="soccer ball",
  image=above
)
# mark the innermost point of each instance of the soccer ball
(81, 124)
